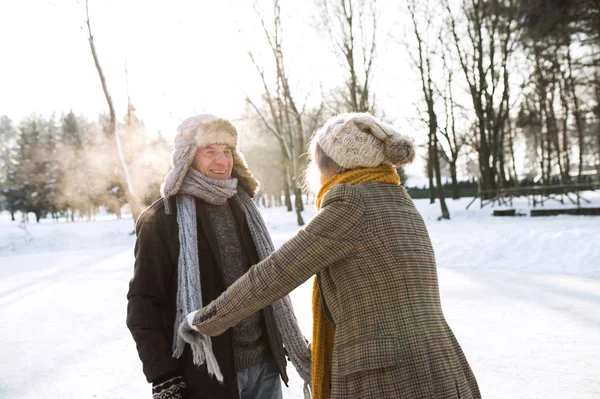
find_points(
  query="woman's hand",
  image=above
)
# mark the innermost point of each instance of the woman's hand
(187, 330)
(200, 321)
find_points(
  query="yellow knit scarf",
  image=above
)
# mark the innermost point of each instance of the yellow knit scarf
(323, 332)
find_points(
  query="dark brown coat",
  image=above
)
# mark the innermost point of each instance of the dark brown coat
(152, 293)
(377, 273)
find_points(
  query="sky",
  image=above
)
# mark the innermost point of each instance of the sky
(183, 57)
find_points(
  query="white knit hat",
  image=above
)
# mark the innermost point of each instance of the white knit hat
(358, 140)
(197, 132)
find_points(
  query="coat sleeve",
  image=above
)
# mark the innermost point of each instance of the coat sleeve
(330, 237)
(148, 297)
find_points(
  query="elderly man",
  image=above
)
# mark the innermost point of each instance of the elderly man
(191, 245)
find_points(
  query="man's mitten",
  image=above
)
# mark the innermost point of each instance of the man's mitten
(172, 388)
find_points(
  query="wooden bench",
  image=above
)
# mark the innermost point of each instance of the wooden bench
(567, 211)
(504, 212)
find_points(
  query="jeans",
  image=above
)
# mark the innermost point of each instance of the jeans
(260, 382)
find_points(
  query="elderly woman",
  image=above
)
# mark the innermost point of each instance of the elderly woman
(378, 330)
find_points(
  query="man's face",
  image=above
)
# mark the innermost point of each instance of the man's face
(214, 161)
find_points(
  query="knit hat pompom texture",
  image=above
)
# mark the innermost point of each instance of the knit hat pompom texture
(197, 132)
(358, 140)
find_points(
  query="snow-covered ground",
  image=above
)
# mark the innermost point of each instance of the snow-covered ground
(522, 295)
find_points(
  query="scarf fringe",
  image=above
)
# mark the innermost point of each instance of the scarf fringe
(201, 346)
(178, 341)
(306, 391)
(204, 353)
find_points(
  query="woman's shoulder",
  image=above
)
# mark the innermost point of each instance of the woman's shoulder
(342, 212)
(383, 195)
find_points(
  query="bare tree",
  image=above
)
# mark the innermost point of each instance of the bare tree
(132, 201)
(284, 118)
(448, 131)
(576, 111)
(8, 134)
(597, 113)
(423, 63)
(492, 33)
(560, 81)
(352, 28)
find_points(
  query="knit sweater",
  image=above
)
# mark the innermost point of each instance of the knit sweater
(250, 345)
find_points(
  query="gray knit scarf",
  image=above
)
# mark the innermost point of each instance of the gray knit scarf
(189, 294)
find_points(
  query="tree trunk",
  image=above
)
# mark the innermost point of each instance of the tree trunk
(430, 172)
(512, 154)
(299, 203)
(440, 187)
(501, 165)
(577, 115)
(455, 189)
(540, 132)
(553, 129)
(434, 153)
(132, 200)
(565, 143)
(579, 138)
(549, 157)
(546, 139)
(286, 191)
(597, 89)
(299, 206)
(542, 154)
(487, 173)
(598, 145)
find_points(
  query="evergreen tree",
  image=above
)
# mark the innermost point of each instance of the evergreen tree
(30, 182)
(7, 145)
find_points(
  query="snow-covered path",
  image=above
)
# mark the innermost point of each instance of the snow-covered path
(66, 336)
(527, 335)
(521, 294)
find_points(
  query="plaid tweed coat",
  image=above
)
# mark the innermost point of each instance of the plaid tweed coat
(376, 268)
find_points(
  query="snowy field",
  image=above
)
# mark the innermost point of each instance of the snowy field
(522, 295)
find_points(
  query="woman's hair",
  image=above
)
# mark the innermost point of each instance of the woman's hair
(324, 162)
(319, 162)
